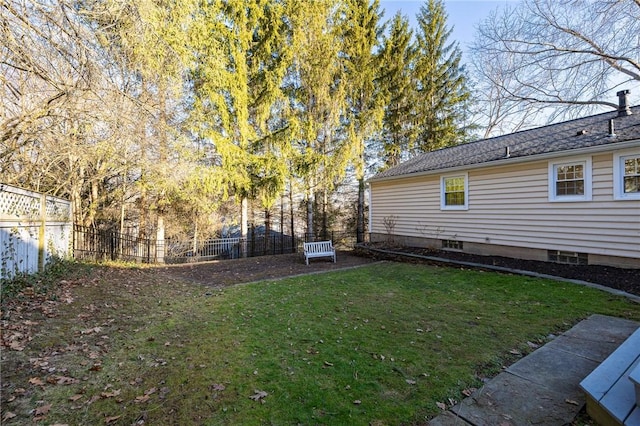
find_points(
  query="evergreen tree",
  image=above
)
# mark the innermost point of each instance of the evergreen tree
(361, 32)
(442, 92)
(317, 98)
(399, 131)
(242, 55)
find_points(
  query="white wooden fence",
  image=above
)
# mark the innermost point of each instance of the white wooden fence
(34, 228)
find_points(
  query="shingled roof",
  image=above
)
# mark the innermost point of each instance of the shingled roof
(570, 135)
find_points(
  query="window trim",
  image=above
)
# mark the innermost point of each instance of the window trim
(465, 206)
(618, 175)
(588, 179)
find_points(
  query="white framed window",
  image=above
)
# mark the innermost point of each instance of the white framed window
(626, 175)
(570, 180)
(454, 192)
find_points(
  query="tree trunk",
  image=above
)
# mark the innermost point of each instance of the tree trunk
(360, 218)
(160, 249)
(267, 230)
(244, 212)
(194, 247)
(325, 213)
(293, 232)
(309, 235)
(282, 224)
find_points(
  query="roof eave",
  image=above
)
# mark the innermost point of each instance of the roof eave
(515, 160)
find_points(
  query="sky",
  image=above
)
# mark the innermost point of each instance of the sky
(463, 15)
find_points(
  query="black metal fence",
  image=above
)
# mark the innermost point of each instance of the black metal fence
(95, 244)
(179, 251)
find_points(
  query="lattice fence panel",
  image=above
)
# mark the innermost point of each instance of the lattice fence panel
(30, 239)
(16, 203)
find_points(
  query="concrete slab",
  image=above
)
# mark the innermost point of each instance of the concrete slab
(602, 328)
(543, 387)
(448, 419)
(514, 401)
(584, 348)
(554, 369)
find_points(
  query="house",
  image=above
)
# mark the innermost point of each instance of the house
(567, 192)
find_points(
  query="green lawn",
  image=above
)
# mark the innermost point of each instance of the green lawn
(382, 344)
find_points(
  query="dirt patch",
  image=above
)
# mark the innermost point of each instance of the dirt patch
(229, 272)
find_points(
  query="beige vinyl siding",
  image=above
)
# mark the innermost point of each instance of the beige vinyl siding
(510, 206)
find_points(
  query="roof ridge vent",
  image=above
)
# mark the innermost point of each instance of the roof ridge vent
(623, 103)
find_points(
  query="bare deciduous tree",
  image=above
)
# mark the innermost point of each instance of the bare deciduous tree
(555, 59)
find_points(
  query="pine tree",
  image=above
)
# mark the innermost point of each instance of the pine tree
(243, 54)
(361, 33)
(440, 81)
(397, 56)
(317, 98)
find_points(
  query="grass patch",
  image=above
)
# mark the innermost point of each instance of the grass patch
(375, 345)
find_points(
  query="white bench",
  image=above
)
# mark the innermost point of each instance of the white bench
(319, 249)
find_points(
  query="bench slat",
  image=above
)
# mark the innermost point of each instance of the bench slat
(620, 400)
(598, 383)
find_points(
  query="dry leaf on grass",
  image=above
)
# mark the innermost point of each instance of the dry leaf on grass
(110, 394)
(42, 410)
(8, 416)
(37, 381)
(259, 395)
(142, 398)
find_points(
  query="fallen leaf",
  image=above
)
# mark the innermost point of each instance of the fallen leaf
(469, 391)
(258, 395)
(8, 416)
(93, 399)
(411, 382)
(441, 405)
(43, 410)
(533, 345)
(328, 364)
(110, 394)
(357, 402)
(62, 380)
(217, 387)
(16, 346)
(111, 419)
(515, 352)
(571, 401)
(37, 381)
(75, 397)
(141, 399)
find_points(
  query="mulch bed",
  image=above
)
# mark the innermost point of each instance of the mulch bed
(229, 272)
